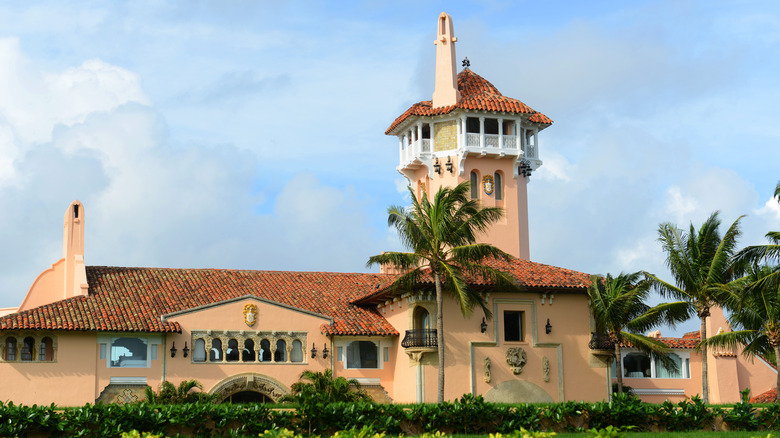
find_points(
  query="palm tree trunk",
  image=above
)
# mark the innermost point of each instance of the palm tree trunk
(777, 355)
(618, 368)
(439, 333)
(705, 386)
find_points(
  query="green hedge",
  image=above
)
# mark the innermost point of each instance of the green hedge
(469, 415)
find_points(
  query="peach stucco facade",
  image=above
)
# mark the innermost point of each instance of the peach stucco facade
(94, 333)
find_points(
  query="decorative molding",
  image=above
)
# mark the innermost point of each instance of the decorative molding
(486, 365)
(516, 359)
(545, 369)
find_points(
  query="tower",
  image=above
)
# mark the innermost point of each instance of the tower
(469, 131)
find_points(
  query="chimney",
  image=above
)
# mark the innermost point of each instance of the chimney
(75, 283)
(445, 92)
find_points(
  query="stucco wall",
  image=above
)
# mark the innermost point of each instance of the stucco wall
(230, 317)
(68, 381)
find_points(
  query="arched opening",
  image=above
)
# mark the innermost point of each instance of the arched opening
(46, 353)
(474, 185)
(296, 355)
(232, 351)
(265, 351)
(28, 346)
(498, 186)
(199, 351)
(247, 397)
(249, 388)
(280, 355)
(422, 319)
(248, 355)
(9, 352)
(215, 355)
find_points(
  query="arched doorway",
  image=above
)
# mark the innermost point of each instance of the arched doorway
(247, 397)
(249, 387)
(422, 319)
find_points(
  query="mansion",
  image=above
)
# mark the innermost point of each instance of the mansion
(86, 333)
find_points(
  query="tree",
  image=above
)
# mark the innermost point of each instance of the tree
(751, 255)
(620, 313)
(755, 316)
(442, 236)
(701, 264)
(171, 394)
(323, 387)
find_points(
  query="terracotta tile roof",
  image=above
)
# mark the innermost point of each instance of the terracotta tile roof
(526, 273)
(134, 299)
(686, 342)
(476, 94)
(766, 397)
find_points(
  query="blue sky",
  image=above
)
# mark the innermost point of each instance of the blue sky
(251, 134)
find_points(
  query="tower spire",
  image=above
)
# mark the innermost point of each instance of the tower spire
(445, 92)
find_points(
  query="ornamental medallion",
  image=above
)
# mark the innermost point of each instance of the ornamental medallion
(487, 184)
(250, 314)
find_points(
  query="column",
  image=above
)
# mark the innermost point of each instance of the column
(481, 132)
(500, 133)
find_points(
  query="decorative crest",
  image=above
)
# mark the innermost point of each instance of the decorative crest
(250, 314)
(488, 184)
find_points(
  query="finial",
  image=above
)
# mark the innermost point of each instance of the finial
(466, 63)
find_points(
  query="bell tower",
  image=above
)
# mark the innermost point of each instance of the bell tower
(469, 131)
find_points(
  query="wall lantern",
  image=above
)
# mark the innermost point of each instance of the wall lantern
(185, 351)
(548, 327)
(313, 351)
(173, 349)
(437, 166)
(449, 165)
(483, 326)
(325, 352)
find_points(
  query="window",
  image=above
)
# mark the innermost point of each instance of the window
(232, 351)
(28, 348)
(422, 319)
(46, 351)
(280, 355)
(248, 355)
(362, 354)
(265, 351)
(296, 355)
(215, 355)
(491, 126)
(513, 326)
(10, 349)
(474, 185)
(498, 187)
(199, 351)
(128, 352)
(641, 366)
(636, 365)
(472, 125)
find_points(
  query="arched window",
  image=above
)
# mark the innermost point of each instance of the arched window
(498, 186)
(215, 355)
(296, 355)
(46, 350)
(280, 355)
(248, 355)
(10, 349)
(28, 347)
(232, 351)
(265, 351)
(474, 185)
(422, 319)
(199, 351)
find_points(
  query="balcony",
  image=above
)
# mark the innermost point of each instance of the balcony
(420, 339)
(600, 342)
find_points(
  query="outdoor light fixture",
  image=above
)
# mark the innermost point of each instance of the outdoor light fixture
(313, 351)
(483, 326)
(173, 349)
(185, 351)
(548, 327)
(325, 352)
(437, 167)
(449, 165)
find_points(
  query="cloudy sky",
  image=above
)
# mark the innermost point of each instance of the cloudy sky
(249, 134)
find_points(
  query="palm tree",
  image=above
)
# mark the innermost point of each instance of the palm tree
(322, 386)
(442, 236)
(756, 253)
(755, 316)
(620, 313)
(701, 264)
